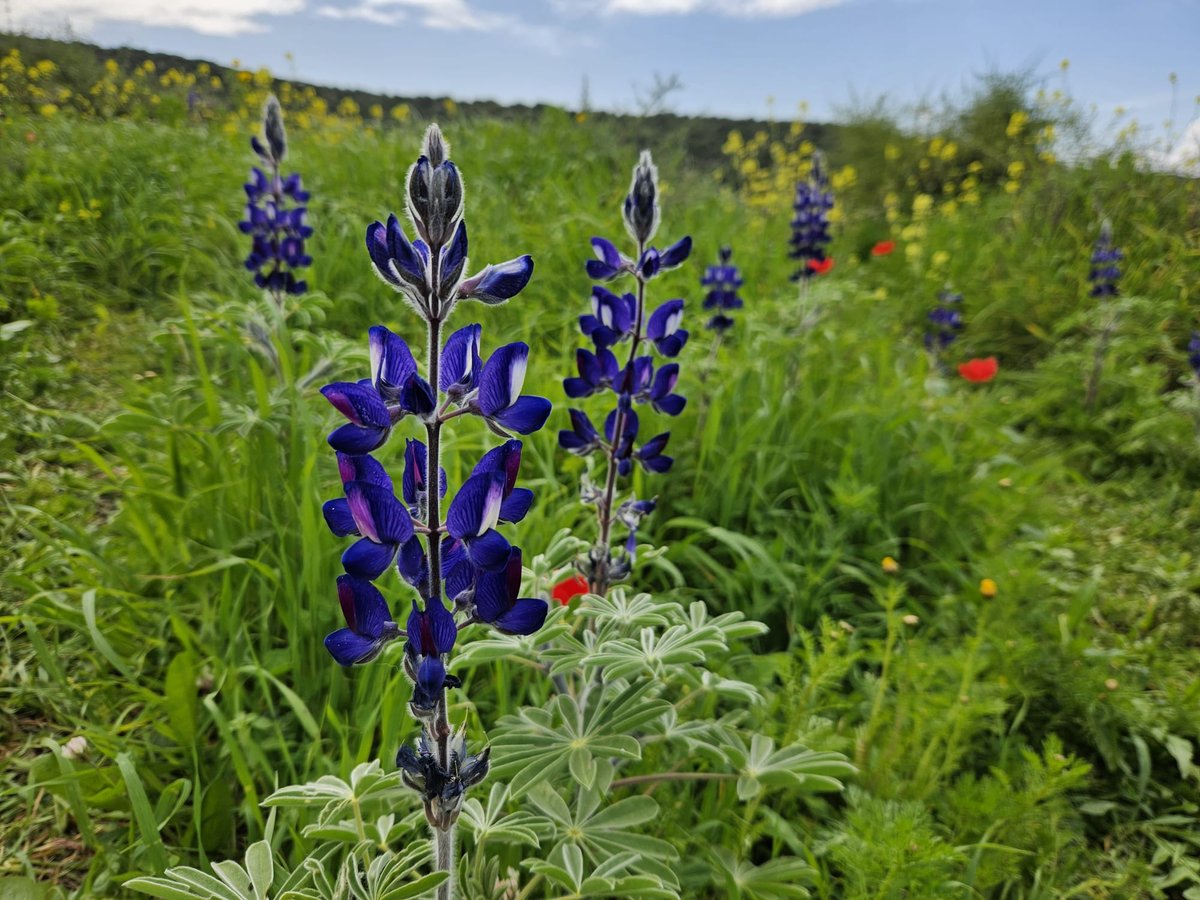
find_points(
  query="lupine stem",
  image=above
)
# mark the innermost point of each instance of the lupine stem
(443, 833)
(600, 583)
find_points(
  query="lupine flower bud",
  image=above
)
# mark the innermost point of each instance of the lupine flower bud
(274, 131)
(435, 192)
(641, 206)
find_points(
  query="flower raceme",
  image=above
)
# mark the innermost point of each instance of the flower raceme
(630, 375)
(1105, 271)
(722, 281)
(461, 570)
(810, 222)
(945, 322)
(275, 213)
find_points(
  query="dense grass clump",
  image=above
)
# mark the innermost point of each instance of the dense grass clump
(166, 580)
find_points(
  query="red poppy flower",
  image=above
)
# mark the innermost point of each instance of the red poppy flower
(883, 248)
(979, 370)
(820, 267)
(566, 591)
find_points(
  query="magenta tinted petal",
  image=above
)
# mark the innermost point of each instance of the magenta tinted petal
(358, 403)
(476, 506)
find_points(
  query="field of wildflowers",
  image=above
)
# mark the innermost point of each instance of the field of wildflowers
(854, 487)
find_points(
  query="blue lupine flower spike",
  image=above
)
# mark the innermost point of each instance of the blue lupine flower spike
(275, 214)
(617, 318)
(810, 223)
(1105, 271)
(461, 568)
(722, 281)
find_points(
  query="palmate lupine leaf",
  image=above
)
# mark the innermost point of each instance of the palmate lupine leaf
(565, 868)
(776, 879)
(603, 833)
(333, 796)
(796, 767)
(492, 823)
(625, 612)
(231, 881)
(653, 653)
(536, 744)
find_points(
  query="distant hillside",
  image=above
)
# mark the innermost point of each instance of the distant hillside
(699, 137)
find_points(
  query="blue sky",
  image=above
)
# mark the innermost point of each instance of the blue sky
(732, 56)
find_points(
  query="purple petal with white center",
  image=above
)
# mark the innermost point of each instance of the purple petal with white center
(356, 440)
(460, 360)
(525, 416)
(476, 507)
(339, 518)
(665, 320)
(502, 377)
(500, 282)
(359, 403)
(367, 559)
(392, 363)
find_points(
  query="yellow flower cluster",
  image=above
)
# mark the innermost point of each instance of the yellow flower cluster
(235, 103)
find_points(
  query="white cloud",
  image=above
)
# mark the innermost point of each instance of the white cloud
(449, 15)
(742, 9)
(1184, 157)
(214, 17)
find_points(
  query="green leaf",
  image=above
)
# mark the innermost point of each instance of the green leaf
(182, 700)
(260, 864)
(142, 813)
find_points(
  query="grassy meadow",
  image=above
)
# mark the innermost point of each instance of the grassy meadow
(167, 578)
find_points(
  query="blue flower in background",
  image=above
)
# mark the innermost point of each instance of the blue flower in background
(275, 214)
(1194, 353)
(723, 281)
(945, 322)
(810, 222)
(1105, 273)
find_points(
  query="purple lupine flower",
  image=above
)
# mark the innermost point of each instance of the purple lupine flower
(945, 322)
(722, 281)
(810, 224)
(431, 635)
(614, 319)
(500, 400)
(275, 213)
(1194, 354)
(597, 371)
(582, 437)
(499, 604)
(462, 558)
(473, 516)
(1105, 271)
(369, 625)
(664, 329)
